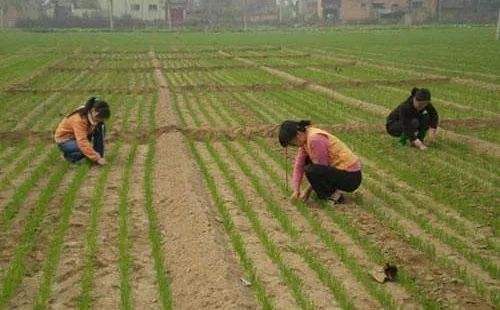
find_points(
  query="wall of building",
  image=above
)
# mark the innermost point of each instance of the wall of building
(147, 10)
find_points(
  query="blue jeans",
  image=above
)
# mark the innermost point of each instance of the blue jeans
(72, 152)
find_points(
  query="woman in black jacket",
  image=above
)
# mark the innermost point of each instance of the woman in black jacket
(411, 120)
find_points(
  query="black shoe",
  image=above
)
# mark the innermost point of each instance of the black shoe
(337, 198)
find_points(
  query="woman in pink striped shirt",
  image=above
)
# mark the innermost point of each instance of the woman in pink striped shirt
(329, 165)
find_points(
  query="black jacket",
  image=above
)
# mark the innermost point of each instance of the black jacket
(406, 112)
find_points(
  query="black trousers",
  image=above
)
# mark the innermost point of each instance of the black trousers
(326, 179)
(420, 125)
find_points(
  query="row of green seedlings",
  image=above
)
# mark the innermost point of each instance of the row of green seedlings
(382, 296)
(398, 92)
(375, 73)
(456, 87)
(27, 156)
(304, 109)
(335, 285)
(30, 121)
(290, 277)
(461, 246)
(85, 300)
(435, 69)
(45, 289)
(237, 240)
(14, 275)
(27, 70)
(323, 75)
(456, 156)
(87, 281)
(193, 78)
(46, 119)
(488, 267)
(474, 257)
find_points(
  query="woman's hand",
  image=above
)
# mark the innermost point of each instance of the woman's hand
(305, 195)
(295, 196)
(420, 145)
(432, 136)
(101, 161)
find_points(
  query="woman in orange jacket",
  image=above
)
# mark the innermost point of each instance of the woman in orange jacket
(83, 126)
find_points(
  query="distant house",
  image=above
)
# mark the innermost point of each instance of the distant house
(11, 16)
(149, 10)
(467, 10)
(352, 11)
(261, 10)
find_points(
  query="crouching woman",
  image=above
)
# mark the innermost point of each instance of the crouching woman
(79, 129)
(328, 164)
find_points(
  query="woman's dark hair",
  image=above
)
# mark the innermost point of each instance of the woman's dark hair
(100, 106)
(421, 94)
(289, 129)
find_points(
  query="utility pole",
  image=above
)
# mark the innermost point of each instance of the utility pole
(439, 10)
(319, 10)
(498, 25)
(168, 16)
(245, 8)
(111, 23)
(280, 12)
(1, 17)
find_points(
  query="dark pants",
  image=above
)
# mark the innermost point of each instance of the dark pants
(419, 125)
(72, 152)
(326, 179)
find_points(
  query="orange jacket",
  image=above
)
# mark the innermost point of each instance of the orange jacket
(78, 128)
(340, 156)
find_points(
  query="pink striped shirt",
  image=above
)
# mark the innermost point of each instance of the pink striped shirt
(319, 155)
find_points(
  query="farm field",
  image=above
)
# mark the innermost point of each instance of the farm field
(192, 210)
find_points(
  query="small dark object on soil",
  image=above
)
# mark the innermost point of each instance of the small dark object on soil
(386, 273)
(390, 272)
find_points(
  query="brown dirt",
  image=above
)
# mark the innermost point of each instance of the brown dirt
(29, 286)
(446, 210)
(265, 269)
(318, 292)
(439, 283)
(67, 287)
(399, 294)
(202, 272)
(106, 291)
(144, 287)
(442, 250)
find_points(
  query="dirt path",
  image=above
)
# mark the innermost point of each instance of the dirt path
(202, 272)
(143, 276)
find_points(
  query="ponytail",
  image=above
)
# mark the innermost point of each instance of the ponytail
(414, 91)
(100, 106)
